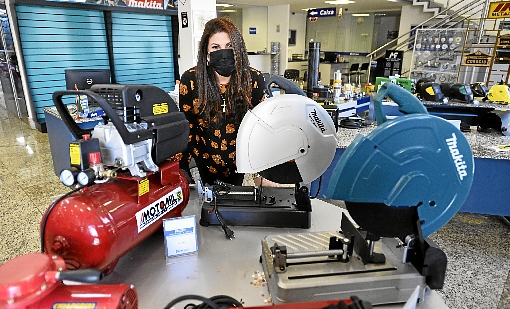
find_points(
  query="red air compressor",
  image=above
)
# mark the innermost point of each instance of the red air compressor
(124, 182)
(34, 281)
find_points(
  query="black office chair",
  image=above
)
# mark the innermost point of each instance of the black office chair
(292, 74)
(353, 70)
(363, 70)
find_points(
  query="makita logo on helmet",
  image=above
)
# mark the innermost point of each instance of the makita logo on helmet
(317, 121)
(456, 156)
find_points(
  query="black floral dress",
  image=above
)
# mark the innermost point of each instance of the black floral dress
(213, 148)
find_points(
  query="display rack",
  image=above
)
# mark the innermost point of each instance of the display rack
(437, 54)
(9, 63)
(486, 51)
(275, 58)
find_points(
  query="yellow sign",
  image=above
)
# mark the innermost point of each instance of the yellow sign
(74, 306)
(160, 108)
(499, 9)
(477, 59)
(143, 187)
(75, 154)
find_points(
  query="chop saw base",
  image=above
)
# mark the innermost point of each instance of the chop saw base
(270, 207)
(324, 278)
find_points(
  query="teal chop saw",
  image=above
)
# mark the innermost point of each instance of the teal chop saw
(400, 183)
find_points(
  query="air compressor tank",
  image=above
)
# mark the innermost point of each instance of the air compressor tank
(96, 225)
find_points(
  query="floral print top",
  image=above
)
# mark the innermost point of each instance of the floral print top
(214, 149)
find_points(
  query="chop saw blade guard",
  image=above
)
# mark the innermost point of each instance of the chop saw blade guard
(415, 160)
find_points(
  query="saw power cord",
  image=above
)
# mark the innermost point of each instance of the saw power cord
(318, 188)
(215, 302)
(225, 302)
(221, 189)
(229, 234)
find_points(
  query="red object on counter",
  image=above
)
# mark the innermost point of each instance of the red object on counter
(30, 281)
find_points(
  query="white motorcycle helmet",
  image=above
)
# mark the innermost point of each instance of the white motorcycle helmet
(287, 139)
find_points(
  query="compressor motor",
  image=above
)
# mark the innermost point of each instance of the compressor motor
(142, 128)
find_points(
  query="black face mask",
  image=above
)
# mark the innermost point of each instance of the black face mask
(223, 61)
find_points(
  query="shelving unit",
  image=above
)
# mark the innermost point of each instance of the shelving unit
(486, 51)
(9, 65)
(437, 54)
(275, 58)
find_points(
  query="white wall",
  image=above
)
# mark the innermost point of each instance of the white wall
(297, 21)
(255, 17)
(198, 12)
(278, 31)
(418, 16)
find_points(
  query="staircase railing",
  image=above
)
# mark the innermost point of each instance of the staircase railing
(463, 9)
(438, 25)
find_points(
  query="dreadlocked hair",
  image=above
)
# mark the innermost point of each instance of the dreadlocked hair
(238, 92)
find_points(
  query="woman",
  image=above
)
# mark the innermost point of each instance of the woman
(214, 96)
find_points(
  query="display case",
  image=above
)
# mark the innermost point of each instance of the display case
(437, 54)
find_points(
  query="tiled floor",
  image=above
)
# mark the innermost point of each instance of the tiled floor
(477, 246)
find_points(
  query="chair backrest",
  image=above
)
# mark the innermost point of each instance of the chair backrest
(291, 74)
(364, 66)
(354, 67)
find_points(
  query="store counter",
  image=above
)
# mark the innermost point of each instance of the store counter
(466, 112)
(489, 193)
(226, 267)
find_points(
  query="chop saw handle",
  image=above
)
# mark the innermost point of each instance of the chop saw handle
(407, 102)
(285, 84)
(127, 137)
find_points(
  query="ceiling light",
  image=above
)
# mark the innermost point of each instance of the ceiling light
(225, 5)
(308, 9)
(227, 11)
(339, 2)
(360, 14)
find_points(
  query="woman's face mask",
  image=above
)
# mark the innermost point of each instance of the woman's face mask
(223, 61)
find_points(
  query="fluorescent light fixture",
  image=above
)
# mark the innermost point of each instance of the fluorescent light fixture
(339, 2)
(227, 11)
(364, 14)
(225, 5)
(308, 9)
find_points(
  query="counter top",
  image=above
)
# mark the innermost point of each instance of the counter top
(481, 104)
(481, 143)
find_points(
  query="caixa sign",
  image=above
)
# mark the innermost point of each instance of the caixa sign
(324, 12)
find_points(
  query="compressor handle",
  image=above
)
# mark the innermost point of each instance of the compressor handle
(285, 84)
(80, 275)
(407, 102)
(127, 137)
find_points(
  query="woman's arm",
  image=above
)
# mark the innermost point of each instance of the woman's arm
(187, 95)
(259, 85)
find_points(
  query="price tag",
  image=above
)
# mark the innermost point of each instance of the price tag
(180, 236)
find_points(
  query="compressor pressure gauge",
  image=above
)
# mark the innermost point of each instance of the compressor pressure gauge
(68, 176)
(86, 177)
